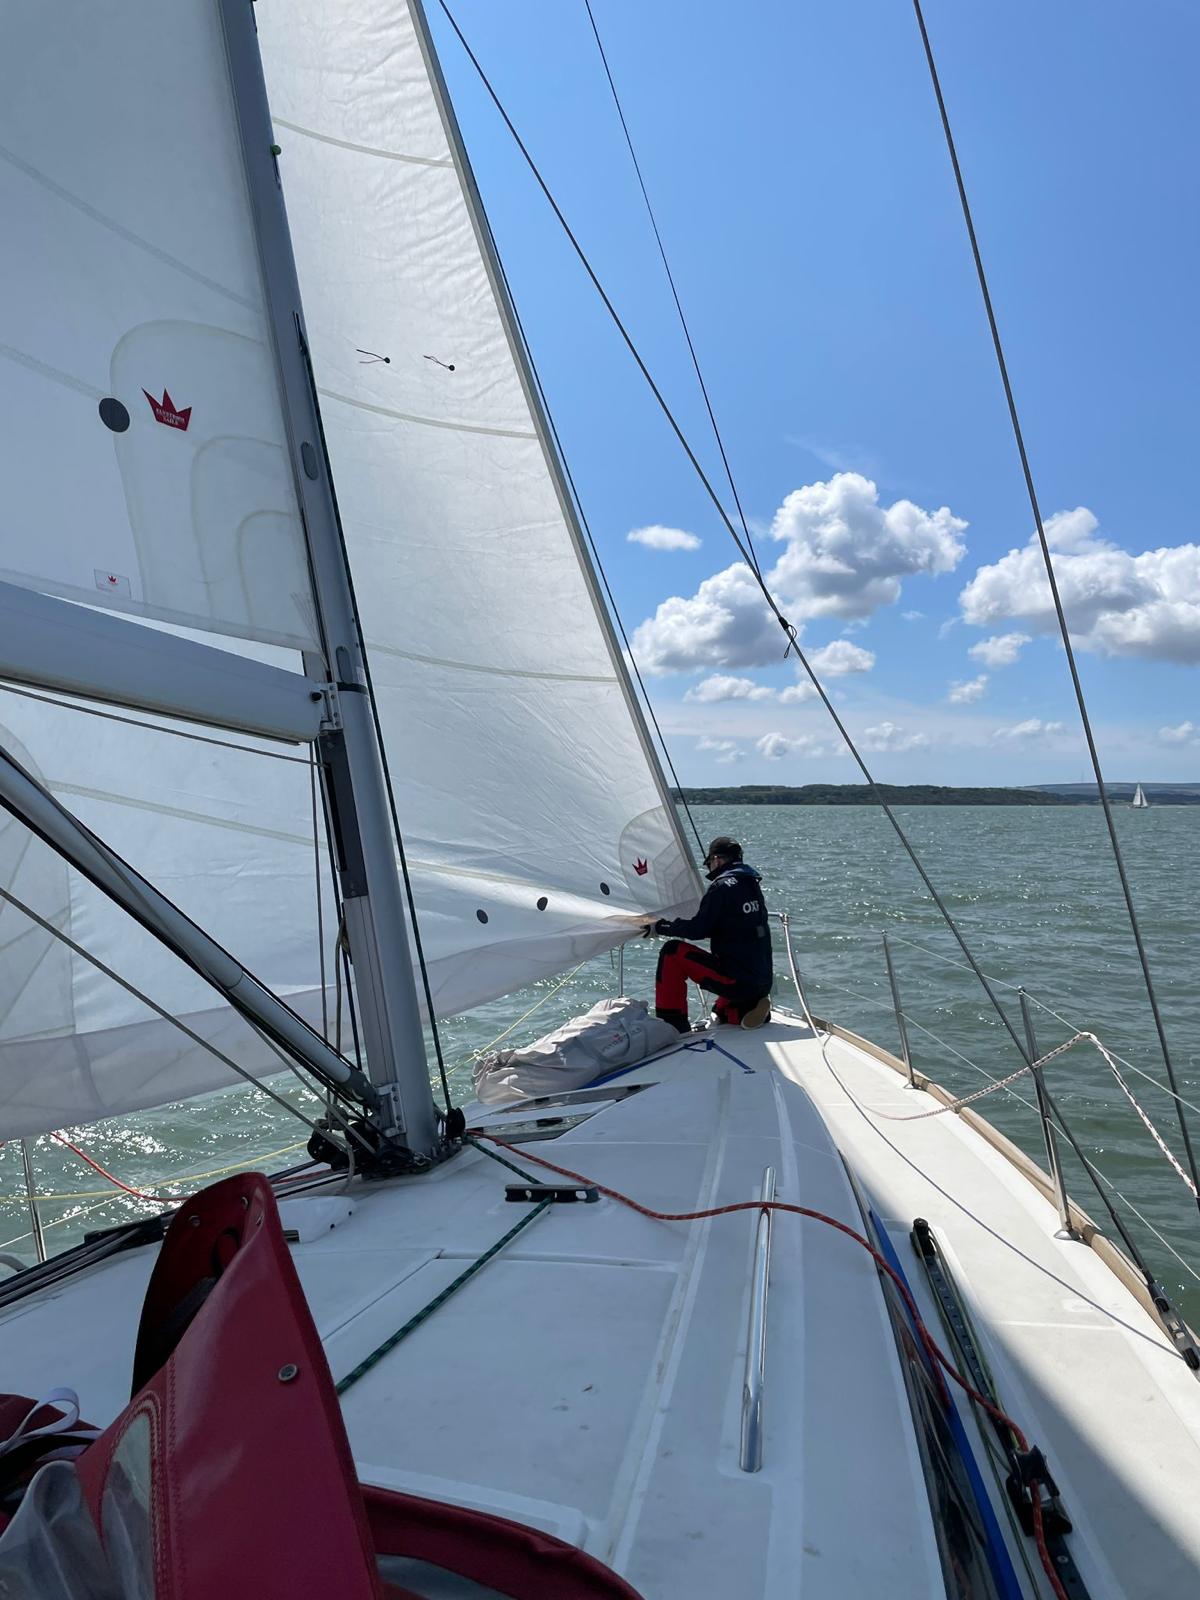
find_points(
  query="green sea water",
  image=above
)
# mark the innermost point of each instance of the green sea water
(1036, 894)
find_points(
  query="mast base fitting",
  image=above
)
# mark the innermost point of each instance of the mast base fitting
(454, 1123)
(375, 1155)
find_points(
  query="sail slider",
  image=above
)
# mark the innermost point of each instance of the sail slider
(72, 649)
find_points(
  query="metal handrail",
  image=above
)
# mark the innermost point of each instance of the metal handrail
(1053, 1160)
(785, 920)
(754, 1381)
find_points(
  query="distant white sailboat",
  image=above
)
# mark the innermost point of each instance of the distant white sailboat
(1140, 802)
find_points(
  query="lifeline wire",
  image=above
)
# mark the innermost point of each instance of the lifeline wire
(788, 628)
(683, 322)
(1064, 631)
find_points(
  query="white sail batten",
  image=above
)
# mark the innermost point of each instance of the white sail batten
(146, 467)
(534, 813)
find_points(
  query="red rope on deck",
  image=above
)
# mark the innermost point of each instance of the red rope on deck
(940, 1360)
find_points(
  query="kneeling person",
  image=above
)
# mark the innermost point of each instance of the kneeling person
(738, 968)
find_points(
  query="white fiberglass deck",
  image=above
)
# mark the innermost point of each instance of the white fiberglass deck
(588, 1381)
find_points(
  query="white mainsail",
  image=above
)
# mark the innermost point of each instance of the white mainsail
(145, 459)
(537, 823)
(1139, 798)
(146, 472)
(526, 793)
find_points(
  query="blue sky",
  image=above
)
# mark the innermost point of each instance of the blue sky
(796, 162)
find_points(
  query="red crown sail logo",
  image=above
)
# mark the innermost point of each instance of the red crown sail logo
(165, 411)
(641, 868)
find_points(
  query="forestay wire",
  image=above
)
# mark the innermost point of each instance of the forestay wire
(789, 630)
(1063, 629)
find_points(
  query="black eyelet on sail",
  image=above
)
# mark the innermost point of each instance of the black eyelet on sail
(482, 915)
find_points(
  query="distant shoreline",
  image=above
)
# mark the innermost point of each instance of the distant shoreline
(931, 794)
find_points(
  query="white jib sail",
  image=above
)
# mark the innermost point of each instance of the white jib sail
(536, 821)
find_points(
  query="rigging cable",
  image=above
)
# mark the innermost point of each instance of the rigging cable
(788, 628)
(1063, 629)
(683, 322)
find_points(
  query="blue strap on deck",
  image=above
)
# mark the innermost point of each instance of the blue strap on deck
(998, 1557)
(690, 1044)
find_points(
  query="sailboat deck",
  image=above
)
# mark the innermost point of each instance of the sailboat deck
(589, 1380)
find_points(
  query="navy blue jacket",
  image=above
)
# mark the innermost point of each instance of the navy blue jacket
(733, 918)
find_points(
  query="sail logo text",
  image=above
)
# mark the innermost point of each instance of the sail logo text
(165, 412)
(641, 868)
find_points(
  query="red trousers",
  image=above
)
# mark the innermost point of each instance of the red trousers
(677, 962)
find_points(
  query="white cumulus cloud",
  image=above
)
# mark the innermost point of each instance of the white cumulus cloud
(797, 694)
(724, 750)
(841, 657)
(890, 736)
(966, 692)
(1031, 728)
(659, 538)
(844, 555)
(1119, 604)
(726, 623)
(1001, 650)
(1182, 733)
(719, 687)
(777, 745)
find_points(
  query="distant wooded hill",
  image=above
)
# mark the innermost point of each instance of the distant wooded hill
(858, 794)
(932, 794)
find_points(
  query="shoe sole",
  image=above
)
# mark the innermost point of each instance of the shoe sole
(758, 1015)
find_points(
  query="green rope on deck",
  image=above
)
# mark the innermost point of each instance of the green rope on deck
(427, 1311)
(486, 1150)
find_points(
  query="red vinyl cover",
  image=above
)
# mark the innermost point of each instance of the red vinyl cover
(506, 1556)
(250, 1487)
